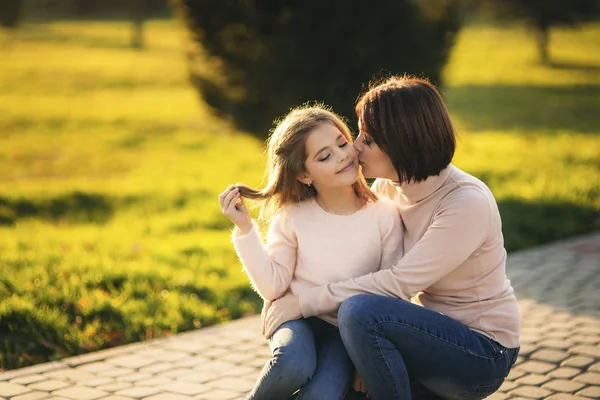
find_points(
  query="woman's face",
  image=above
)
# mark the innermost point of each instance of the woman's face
(374, 162)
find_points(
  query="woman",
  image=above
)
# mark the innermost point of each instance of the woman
(459, 336)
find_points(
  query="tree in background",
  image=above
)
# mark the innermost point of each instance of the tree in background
(254, 59)
(138, 15)
(10, 13)
(542, 15)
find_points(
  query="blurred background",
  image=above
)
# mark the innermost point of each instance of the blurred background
(122, 120)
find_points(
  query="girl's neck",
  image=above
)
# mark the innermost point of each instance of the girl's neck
(339, 200)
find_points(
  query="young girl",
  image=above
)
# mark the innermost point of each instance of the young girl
(325, 226)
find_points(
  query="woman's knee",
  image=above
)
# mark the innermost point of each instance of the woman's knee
(291, 362)
(356, 308)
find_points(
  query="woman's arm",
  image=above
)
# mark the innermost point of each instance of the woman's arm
(392, 234)
(457, 230)
(269, 267)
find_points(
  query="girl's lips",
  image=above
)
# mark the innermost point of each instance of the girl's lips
(347, 167)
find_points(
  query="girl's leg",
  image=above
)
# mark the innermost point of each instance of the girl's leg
(335, 371)
(389, 339)
(293, 362)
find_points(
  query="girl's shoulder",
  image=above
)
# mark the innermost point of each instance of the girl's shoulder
(383, 205)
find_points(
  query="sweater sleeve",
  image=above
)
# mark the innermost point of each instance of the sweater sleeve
(269, 267)
(458, 228)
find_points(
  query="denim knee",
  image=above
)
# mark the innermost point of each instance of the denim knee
(352, 310)
(291, 364)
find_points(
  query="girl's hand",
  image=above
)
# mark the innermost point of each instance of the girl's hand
(358, 384)
(280, 311)
(234, 208)
(263, 314)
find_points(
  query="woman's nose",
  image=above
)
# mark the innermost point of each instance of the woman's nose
(357, 146)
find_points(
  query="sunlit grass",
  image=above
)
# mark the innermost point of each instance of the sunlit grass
(110, 168)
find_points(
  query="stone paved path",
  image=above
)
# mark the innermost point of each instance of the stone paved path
(558, 287)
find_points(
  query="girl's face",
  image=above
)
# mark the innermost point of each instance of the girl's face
(331, 160)
(374, 162)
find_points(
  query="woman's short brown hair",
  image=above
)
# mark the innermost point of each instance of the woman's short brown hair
(407, 119)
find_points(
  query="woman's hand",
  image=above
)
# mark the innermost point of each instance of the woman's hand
(280, 311)
(234, 208)
(358, 384)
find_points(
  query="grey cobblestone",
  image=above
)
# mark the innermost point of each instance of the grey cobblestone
(556, 287)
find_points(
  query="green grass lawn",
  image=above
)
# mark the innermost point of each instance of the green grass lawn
(109, 171)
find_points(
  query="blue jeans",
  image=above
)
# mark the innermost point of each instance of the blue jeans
(405, 351)
(308, 354)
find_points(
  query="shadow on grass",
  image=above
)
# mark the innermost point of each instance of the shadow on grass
(574, 67)
(76, 207)
(529, 224)
(526, 108)
(81, 208)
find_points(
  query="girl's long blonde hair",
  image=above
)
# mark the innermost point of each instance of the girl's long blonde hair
(286, 156)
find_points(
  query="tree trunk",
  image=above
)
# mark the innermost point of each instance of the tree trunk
(137, 26)
(542, 38)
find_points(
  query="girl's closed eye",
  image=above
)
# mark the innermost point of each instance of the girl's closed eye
(343, 144)
(325, 158)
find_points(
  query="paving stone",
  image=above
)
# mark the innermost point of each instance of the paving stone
(527, 349)
(219, 395)
(532, 379)
(71, 375)
(200, 376)
(551, 356)
(115, 371)
(239, 371)
(577, 361)
(155, 381)
(563, 385)
(538, 367)
(594, 367)
(115, 386)
(564, 372)
(80, 393)
(589, 340)
(138, 376)
(532, 392)
(507, 386)
(138, 392)
(97, 382)
(215, 366)
(168, 396)
(25, 380)
(237, 384)
(117, 398)
(49, 385)
(130, 361)
(31, 396)
(163, 355)
(592, 378)
(562, 396)
(591, 392)
(590, 351)
(157, 368)
(12, 389)
(497, 396)
(515, 373)
(186, 388)
(94, 367)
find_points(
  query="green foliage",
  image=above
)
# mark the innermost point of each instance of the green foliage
(111, 232)
(270, 56)
(10, 13)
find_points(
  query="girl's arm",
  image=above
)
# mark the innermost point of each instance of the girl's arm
(269, 267)
(457, 230)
